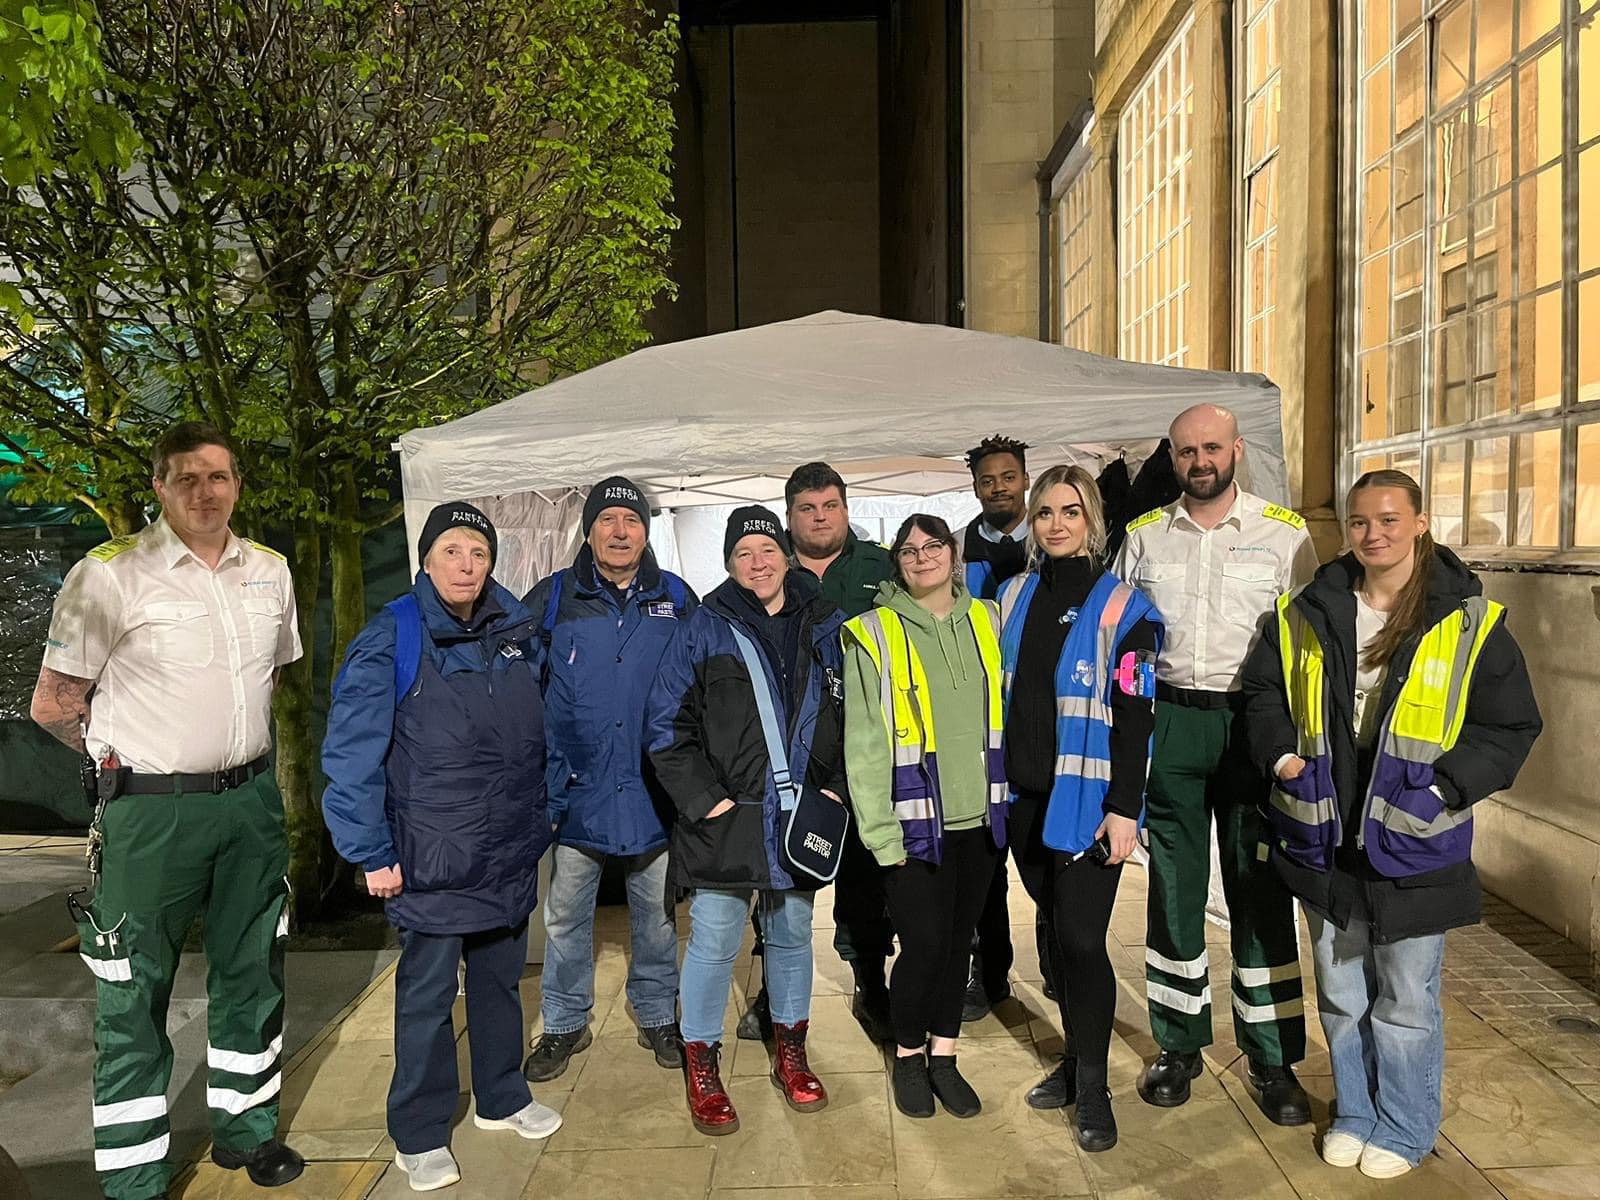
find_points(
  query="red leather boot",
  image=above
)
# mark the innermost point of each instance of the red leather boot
(791, 1074)
(709, 1106)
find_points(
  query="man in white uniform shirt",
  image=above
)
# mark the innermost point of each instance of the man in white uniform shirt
(1214, 562)
(166, 645)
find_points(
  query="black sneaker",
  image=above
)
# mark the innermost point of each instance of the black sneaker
(1094, 1124)
(1057, 1089)
(1165, 1082)
(552, 1052)
(1279, 1095)
(913, 1093)
(667, 1042)
(954, 1092)
(756, 1024)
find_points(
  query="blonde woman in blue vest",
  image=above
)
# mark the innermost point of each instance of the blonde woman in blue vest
(922, 753)
(1078, 650)
(1387, 698)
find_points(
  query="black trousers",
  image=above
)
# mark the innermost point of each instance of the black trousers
(1074, 898)
(422, 1094)
(992, 945)
(934, 908)
(862, 931)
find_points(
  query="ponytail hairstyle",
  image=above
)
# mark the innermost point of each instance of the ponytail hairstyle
(1409, 616)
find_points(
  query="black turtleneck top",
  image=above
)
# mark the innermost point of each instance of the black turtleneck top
(1030, 740)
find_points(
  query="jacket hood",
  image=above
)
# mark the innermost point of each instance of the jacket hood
(497, 609)
(894, 596)
(1450, 582)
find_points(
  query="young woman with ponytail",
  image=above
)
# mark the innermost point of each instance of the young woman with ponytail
(1386, 698)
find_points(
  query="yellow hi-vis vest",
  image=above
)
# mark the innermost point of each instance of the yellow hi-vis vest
(909, 723)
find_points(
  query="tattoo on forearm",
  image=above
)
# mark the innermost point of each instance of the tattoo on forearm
(61, 706)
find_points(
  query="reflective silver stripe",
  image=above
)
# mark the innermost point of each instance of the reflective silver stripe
(1318, 813)
(113, 970)
(1399, 820)
(1476, 612)
(1413, 749)
(131, 1156)
(1256, 1014)
(920, 809)
(129, 1112)
(244, 1064)
(1261, 976)
(1083, 766)
(1193, 968)
(907, 756)
(1172, 998)
(1086, 707)
(230, 1101)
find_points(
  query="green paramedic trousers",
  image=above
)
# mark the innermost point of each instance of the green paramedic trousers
(1200, 772)
(167, 860)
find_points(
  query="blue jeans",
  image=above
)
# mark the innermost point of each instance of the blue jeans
(1384, 1023)
(568, 978)
(716, 930)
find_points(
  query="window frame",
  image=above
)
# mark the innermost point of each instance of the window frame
(1075, 173)
(1245, 172)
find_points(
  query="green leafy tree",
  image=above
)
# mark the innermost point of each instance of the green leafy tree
(344, 219)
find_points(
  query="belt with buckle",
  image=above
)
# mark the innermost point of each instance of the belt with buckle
(1196, 698)
(215, 782)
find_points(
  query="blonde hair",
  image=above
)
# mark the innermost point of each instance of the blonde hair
(1094, 509)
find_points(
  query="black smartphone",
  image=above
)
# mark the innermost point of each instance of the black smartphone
(1100, 851)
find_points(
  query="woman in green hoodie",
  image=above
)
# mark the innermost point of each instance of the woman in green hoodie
(923, 721)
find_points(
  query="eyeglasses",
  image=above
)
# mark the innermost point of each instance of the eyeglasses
(928, 550)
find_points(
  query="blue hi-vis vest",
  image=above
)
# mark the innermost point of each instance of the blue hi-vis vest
(1085, 675)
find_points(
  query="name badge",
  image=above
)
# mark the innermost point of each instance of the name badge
(661, 608)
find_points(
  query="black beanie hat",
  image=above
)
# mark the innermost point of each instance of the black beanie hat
(456, 514)
(615, 492)
(752, 518)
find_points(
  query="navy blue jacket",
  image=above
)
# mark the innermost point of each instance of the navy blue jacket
(704, 734)
(603, 652)
(449, 784)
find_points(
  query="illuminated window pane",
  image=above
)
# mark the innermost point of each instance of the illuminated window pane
(1589, 346)
(1411, 73)
(1586, 512)
(1452, 373)
(1539, 489)
(1453, 149)
(1491, 249)
(1539, 352)
(1589, 81)
(1407, 13)
(1487, 517)
(1492, 382)
(1372, 462)
(1492, 159)
(1408, 287)
(1447, 466)
(1536, 18)
(1375, 33)
(1589, 210)
(1407, 387)
(1408, 183)
(1376, 106)
(1493, 42)
(1452, 59)
(1539, 109)
(1539, 238)
(1375, 302)
(1409, 461)
(1374, 384)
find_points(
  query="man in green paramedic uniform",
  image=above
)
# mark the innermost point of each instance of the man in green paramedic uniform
(1214, 562)
(180, 631)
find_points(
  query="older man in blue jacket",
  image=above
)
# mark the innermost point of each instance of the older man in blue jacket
(606, 621)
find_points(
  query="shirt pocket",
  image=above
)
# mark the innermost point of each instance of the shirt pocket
(180, 632)
(264, 615)
(1164, 584)
(1248, 590)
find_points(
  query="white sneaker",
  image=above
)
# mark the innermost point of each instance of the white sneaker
(1340, 1149)
(1378, 1163)
(536, 1121)
(429, 1171)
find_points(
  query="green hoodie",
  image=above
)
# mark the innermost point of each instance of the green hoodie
(949, 653)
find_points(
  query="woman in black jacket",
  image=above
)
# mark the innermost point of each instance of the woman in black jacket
(1387, 698)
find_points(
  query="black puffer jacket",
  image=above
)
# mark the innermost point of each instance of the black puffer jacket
(704, 736)
(1502, 723)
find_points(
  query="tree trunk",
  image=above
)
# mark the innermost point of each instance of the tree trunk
(349, 577)
(297, 749)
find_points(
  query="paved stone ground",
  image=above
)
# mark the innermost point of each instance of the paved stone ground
(1521, 1095)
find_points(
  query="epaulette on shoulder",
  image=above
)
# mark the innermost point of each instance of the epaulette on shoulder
(106, 551)
(1288, 516)
(1149, 518)
(265, 549)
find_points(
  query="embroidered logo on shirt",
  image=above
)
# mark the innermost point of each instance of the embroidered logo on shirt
(661, 608)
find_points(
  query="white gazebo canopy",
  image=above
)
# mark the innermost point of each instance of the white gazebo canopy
(723, 420)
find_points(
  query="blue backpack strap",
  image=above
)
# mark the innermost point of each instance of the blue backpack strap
(547, 623)
(677, 592)
(407, 643)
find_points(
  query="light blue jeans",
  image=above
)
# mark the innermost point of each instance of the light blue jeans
(1384, 1022)
(716, 930)
(568, 979)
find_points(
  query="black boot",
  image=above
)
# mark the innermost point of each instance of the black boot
(1165, 1082)
(269, 1165)
(667, 1043)
(1278, 1094)
(913, 1093)
(1057, 1089)
(1094, 1123)
(756, 1024)
(954, 1092)
(553, 1052)
(870, 1002)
